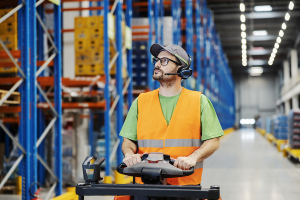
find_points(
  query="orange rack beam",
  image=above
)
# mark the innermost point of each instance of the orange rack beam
(82, 105)
(9, 81)
(140, 27)
(11, 120)
(138, 4)
(49, 81)
(38, 64)
(15, 54)
(81, 9)
(10, 109)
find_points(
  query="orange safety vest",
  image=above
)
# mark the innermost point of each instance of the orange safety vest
(180, 139)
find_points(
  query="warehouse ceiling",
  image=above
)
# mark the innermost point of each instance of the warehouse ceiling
(259, 48)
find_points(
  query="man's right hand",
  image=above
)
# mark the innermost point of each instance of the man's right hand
(132, 159)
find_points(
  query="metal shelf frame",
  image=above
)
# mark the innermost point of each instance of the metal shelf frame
(28, 86)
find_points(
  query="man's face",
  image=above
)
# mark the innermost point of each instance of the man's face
(171, 67)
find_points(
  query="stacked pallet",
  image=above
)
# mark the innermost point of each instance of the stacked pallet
(294, 129)
(279, 127)
(139, 63)
(89, 46)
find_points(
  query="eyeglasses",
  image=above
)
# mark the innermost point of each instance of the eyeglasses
(164, 61)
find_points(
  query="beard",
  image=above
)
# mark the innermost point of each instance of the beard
(166, 80)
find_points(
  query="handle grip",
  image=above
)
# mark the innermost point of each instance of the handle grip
(185, 172)
(121, 167)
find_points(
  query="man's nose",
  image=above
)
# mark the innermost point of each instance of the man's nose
(157, 65)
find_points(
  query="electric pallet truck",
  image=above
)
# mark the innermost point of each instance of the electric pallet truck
(153, 169)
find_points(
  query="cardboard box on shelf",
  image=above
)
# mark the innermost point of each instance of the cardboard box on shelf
(80, 22)
(94, 21)
(10, 41)
(82, 34)
(81, 46)
(82, 58)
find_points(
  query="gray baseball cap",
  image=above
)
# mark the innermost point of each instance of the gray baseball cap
(173, 49)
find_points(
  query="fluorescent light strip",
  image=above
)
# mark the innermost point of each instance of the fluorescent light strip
(262, 8)
(281, 34)
(243, 35)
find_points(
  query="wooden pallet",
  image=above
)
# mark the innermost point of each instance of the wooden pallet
(10, 189)
(14, 98)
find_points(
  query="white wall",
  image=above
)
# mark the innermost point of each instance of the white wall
(68, 40)
(255, 96)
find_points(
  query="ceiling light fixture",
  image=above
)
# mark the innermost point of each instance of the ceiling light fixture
(281, 33)
(291, 5)
(243, 27)
(242, 7)
(256, 70)
(278, 40)
(243, 18)
(243, 34)
(283, 26)
(287, 17)
(260, 33)
(270, 63)
(263, 8)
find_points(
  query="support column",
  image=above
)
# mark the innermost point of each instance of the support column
(295, 102)
(287, 107)
(294, 65)
(286, 73)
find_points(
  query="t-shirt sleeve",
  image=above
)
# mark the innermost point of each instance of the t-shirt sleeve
(129, 129)
(210, 125)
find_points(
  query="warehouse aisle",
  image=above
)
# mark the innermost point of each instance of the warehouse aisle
(248, 167)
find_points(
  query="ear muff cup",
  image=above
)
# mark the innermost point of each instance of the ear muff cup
(184, 72)
(180, 69)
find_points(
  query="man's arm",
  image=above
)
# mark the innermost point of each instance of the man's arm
(205, 150)
(129, 149)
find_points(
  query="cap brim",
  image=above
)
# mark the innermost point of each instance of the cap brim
(155, 49)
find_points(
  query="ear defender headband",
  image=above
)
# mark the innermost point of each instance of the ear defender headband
(185, 72)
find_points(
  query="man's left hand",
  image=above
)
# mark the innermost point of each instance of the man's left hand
(185, 163)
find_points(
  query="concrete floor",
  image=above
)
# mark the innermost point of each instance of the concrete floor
(246, 167)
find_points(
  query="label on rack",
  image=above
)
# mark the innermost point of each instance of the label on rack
(128, 38)
(57, 2)
(111, 26)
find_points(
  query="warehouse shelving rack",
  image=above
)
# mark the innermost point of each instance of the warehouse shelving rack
(28, 86)
(210, 65)
(104, 8)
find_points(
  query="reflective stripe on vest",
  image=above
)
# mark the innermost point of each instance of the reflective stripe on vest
(151, 143)
(182, 143)
(199, 165)
(170, 143)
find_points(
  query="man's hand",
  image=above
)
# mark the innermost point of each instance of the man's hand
(132, 159)
(185, 163)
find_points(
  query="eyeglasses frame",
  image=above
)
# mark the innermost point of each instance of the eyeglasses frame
(156, 60)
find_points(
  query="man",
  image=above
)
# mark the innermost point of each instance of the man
(172, 119)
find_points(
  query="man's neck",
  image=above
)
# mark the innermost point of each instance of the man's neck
(169, 91)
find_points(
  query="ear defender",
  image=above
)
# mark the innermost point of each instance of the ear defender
(185, 72)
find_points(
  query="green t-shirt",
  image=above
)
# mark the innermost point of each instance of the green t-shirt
(210, 124)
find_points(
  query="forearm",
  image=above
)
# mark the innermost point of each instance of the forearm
(128, 147)
(206, 149)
